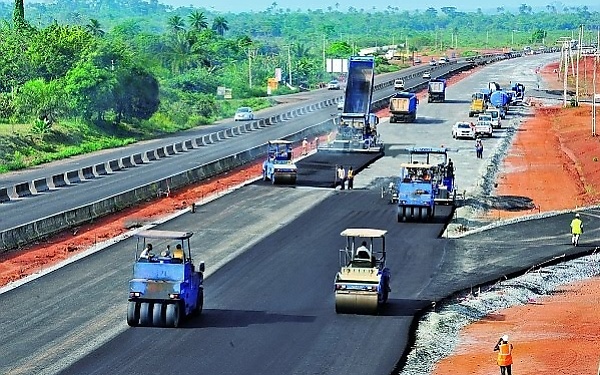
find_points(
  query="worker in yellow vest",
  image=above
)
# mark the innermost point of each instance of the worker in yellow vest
(576, 230)
(505, 360)
(350, 178)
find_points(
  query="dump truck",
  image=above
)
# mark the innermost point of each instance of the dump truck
(478, 104)
(362, 285)
(437, 90)
(357, 126)
(403, 107)
(425, 181)
(279, 166)
(166, 286)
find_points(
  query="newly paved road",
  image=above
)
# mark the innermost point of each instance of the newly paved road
(271, 256)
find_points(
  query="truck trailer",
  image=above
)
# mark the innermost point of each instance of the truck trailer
(437, 90)
(403, 107)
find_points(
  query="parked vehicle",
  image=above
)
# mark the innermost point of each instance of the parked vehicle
(426, 75)
(243, 114)
(483, 126)
(478, 104)
(496, 115)
(432, 62)
(463, 129)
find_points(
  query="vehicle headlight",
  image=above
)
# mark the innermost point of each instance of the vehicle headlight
(135, 294)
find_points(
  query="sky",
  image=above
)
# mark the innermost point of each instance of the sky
(237, 6)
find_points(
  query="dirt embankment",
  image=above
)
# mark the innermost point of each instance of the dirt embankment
(555, 162)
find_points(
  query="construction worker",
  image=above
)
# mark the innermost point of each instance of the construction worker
(504, 350)
(147, 252)
(341, 176)
(363, 251)
(304, 146)
(350, 178)
(576, 230)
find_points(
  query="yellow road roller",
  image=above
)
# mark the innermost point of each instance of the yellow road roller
(362, 285)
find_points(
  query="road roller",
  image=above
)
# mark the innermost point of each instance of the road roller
(362, 285)
(166, 286)
(279, 167)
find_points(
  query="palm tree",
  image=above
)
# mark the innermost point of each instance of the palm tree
(94, 28)
(220, 25)
(176, 24)
(197, 20)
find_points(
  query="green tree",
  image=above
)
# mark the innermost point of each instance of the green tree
(94, 28)
(39, 99)
(176, 24)
(220, 25)
(19, 14)
(136, 96)
(197, 21)
(339, 50)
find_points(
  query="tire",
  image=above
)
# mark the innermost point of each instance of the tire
(199, 302)
(133, 314)
(146, 314)
(173, 315)
(470, 114)
(158, 315)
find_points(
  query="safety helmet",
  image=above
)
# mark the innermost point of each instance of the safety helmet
(576, 215)
(505, 338)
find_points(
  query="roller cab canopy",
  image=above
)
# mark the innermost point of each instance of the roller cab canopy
(363, 232)
(165, 234)
(280, 142)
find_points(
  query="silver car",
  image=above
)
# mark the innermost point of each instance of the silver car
(243, 114)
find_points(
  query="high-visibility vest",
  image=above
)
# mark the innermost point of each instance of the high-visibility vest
(350, 173)
(576, 226)
(505, 355)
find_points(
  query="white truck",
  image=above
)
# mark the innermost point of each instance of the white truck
(483, 126)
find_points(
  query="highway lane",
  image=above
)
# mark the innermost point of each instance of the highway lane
(419, 281)
(28, 209)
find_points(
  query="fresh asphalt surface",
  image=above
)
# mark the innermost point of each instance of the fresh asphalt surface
(271, 256)
(18, 212)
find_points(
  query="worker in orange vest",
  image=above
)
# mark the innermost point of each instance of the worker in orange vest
(504, 350)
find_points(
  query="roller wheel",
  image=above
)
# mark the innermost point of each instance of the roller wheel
(199, 302)
(146, 314)
(173, 315)
(158, 315)
(133, 314)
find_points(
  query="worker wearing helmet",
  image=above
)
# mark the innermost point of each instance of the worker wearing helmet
(505, 360)
(576, 230)
(363, 252)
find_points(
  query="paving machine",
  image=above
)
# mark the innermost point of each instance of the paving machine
(166, 286)
(357, 126)
(424, 182)
(279, 167)
(362, 285)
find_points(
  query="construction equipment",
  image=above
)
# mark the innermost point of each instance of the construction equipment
(424, 183)
(362, 285)
(403, 107)
(436, 90)
(166, 287)
(500, 99)
(279, 167)
(357, 126)
(478, 103)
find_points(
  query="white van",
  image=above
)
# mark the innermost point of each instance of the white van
(496, 115)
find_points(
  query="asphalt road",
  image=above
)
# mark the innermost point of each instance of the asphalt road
(271, 256)
(19, 212)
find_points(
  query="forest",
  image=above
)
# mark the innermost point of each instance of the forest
(79, 76)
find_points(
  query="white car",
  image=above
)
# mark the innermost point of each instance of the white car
(333, 85)
(243, 114)
(340, 105)
(427, 75)
(463, 129)
(483, 126)
(432, 62)
(398, 84)
(496, 115)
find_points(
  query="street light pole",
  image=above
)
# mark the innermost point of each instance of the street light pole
(290, 63)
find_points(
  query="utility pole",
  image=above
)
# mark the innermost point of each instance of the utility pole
(578, 58)
(249, 68)
(594, 94)
(290, 62)
(566, 49)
